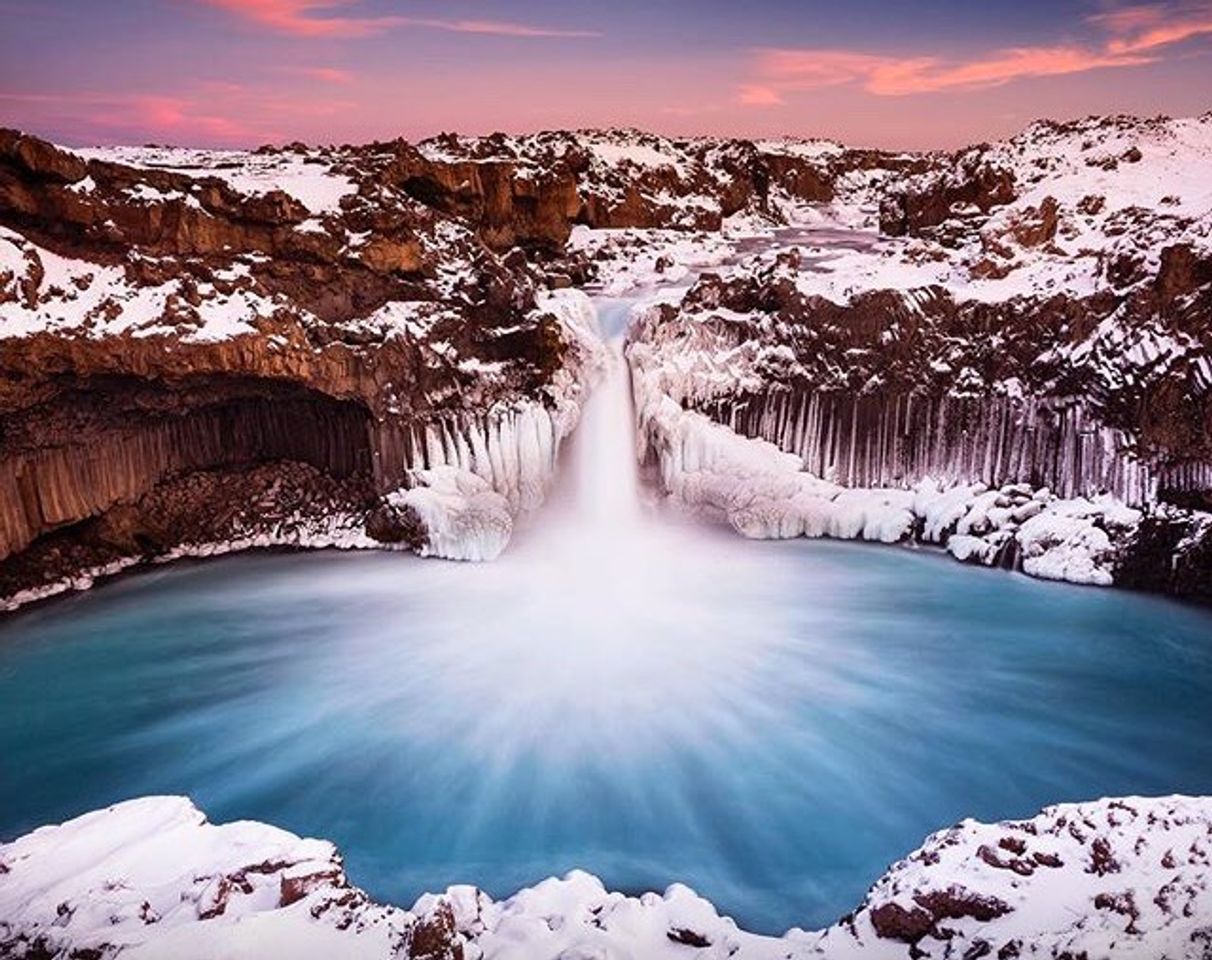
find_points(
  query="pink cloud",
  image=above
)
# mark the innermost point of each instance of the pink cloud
(499, 28)
(167, 117)
(299, 18)
(207, 113)
(782, 71)
(296, 17)
(755, 95)
(1146, 27)
(327, 74)
(1137, 35)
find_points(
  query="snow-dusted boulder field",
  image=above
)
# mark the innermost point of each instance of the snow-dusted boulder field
(152, 878)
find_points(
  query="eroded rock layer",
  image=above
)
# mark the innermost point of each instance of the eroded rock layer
(1031, 313)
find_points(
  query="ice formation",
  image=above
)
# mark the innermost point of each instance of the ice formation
(765, 493)
(464, 518)
(469, 477)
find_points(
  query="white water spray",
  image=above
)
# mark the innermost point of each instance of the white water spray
(603, 624)
(601, 475)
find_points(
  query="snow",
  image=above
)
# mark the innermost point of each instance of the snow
(1070, 540)
(631, 261)
(81, 298)
(307, 177)
(1111, 878)
(804, 149)
(152, 878)
(639, 154)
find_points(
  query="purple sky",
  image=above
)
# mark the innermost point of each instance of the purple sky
(935, 73)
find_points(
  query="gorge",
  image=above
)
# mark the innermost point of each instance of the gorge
(591, 358)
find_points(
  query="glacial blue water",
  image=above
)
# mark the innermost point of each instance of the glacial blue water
(770, 723)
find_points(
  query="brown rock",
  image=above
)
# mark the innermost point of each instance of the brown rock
(434, 937)
(1037, 225)
(894, 922)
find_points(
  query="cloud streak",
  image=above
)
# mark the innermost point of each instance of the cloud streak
(311, 19)
(1135, 36)
(1147, 27)
(299, 18)
(326, 74)
(208, 113)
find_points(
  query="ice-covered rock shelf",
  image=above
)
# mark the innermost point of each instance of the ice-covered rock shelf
(764, 492)
(152, 878)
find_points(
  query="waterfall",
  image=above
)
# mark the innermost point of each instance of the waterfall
(603, 475)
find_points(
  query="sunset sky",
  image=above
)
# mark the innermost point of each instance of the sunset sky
(936, 73)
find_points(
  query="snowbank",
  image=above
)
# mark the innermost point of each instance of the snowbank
(152, 878)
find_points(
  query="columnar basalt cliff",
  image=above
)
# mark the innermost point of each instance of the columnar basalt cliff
(390, 325)
(1033, 323)
(182, 320)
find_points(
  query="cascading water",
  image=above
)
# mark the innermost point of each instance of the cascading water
(770, 723)
(603, 469)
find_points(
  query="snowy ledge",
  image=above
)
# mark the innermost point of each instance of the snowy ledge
(709, 470)
(152, 878)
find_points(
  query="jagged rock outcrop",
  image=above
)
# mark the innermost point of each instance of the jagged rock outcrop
(929, 199)
(1005, 344)
(630, 179)
(185, 314)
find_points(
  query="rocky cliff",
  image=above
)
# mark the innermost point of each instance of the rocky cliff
(1030, 316)
(376, 344)
(173, 323)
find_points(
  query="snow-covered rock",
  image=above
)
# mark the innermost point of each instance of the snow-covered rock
(151, 878)
(462, 516)
(1107, 879)
(765, 493)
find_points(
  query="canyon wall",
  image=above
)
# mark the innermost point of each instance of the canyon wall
(896, 440)
(378, 322)
(191, 340)
(116, 441)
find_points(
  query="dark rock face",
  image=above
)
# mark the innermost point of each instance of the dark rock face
(205, 506)
(508, 205)
(1170, 553)
(892, 921)
(628, 179)
(110, 442)
(120, 398)
(889, 388)
(928, 201)
(435, 937)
